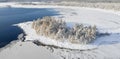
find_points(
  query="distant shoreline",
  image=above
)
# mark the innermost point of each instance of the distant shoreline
(107, 6)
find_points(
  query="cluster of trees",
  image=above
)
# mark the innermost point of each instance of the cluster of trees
(58, 29)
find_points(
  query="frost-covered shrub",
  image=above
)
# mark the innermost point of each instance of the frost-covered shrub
(58, 29)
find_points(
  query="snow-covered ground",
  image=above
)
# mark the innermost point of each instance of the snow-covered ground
(26, 50)
(104, 47)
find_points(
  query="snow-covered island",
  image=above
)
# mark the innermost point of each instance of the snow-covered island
(56, 32)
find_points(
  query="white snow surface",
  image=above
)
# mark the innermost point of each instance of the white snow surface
(26, 50)
(106, 22)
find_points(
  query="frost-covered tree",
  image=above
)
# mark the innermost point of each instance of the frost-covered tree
(58, 29)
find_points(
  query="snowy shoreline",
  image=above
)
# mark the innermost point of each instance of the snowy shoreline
(106, 6)
(18, 5)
